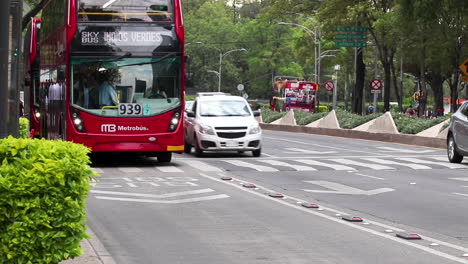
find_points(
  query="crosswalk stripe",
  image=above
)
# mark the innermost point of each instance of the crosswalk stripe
(97, 170)
(199, 165)
(390, 162)
(329, 165)
(439, 158)
(390, 149)
(367, 165)
(169, 169)
(250, 165)
(130, 170)
(284, 164)
(444, 164)
(306, 151)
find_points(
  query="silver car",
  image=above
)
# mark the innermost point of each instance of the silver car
(457, 137)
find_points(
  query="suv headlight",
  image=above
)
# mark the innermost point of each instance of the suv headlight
(255, 129)
(205, 129)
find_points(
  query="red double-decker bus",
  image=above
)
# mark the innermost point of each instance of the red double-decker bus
(31, 73)
(293, 93)
(112, 75)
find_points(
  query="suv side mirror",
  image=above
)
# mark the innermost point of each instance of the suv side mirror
(190, 113)
(256, 113)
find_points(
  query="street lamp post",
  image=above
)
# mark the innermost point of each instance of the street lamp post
(221, 56)
(217, 74)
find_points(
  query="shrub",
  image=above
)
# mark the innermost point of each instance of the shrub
(43, 187)
(269, 116)
(407, 124)
(23, 127)
(304, 118)
(349, 120)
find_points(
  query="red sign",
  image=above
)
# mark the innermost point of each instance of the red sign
(376, 84)
(329, 86)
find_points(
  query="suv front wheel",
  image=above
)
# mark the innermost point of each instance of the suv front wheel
(257, 152)
(452, 153)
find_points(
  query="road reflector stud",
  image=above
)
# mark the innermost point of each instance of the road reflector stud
(352, 218)
(226, 178)
(408, 235)
(249, 185)
(276, 195)
(465, 255)
(388, 231)
(434, 244)
(309, 205)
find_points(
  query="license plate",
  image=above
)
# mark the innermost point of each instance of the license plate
(231, 144)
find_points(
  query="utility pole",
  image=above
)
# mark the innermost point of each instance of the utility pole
(4, 71)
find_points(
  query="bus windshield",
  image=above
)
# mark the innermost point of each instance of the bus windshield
(125, 10)
(126, 87)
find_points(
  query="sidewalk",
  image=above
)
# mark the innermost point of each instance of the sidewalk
(93, 252)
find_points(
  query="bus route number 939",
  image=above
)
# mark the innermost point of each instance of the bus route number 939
(129, 109)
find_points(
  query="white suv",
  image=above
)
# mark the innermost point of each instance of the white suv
(222, 122)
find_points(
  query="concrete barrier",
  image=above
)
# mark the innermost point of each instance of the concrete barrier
(433, 131)
(288, 119)
(259, 118)
(382, 124)
(329, 121)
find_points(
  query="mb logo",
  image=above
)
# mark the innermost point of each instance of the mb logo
(108, 128)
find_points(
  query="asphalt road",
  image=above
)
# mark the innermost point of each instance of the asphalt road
(183, 212)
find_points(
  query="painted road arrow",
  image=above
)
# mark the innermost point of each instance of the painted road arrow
(337, 188)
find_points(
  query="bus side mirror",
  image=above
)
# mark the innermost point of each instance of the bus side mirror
(190, 114)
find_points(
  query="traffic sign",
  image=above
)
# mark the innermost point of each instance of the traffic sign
(240, 87)
(464, 67)
(351, 44)
(329, 86)
(375, 84)
(352, 29)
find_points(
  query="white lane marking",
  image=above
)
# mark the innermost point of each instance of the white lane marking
(268, 155)
(444, 164)
(169, 169)
(306, 151)
(340, 149)
(440, 158)
(250, 165)
(368, 176)
(391, 162)
(462, 194)
(166, 195)
(361, 228)
(97, 170)
(337, 188)
(460, 179)
(323, 164)
(130, 170)
(280, 163)
(189, 200)
(367, 165)
(400, 150)
(203, 166)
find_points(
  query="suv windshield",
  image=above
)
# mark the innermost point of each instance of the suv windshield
(151, 85)
(224, 108)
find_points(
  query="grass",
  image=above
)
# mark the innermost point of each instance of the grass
(304, 118)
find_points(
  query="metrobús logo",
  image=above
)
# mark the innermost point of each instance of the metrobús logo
(114, 128)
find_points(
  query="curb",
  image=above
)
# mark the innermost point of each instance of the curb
(348, 133)
(94, 252)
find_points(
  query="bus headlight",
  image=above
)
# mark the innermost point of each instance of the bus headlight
(175, 120)
(255, 130)
(38, 115)
(77, 121)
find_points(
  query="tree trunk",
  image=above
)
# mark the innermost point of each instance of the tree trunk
(422, 87)
(32, 13)
(396, 87)
(359, 82)
(437, 82)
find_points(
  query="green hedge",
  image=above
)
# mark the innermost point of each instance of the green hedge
(304, 118)
(43, 188)
(407, 124)
(269, 116)
(23, 127)
(349, 120)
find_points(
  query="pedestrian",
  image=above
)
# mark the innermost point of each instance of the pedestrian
(370, 109)
(410, 111)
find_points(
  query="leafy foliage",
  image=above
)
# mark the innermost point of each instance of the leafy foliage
(407, 124)
(23, 127)
(43, 187)
(304, 118)
(349, 120)
(269, 116)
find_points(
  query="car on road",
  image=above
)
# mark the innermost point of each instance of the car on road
(457, 137)
(222, 122)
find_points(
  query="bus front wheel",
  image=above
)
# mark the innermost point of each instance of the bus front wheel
(164, 157)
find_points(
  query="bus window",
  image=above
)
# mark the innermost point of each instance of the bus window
(125, 10)
(100, 87)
